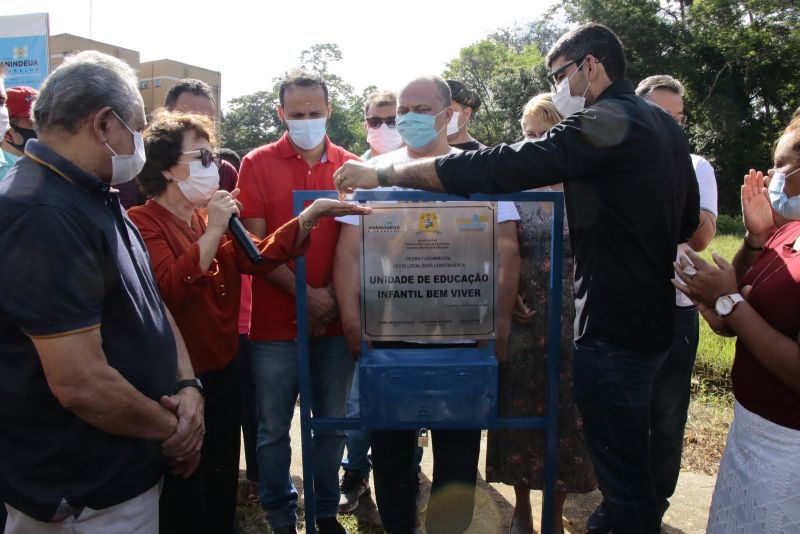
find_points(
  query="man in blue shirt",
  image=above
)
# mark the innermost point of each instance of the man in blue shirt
(97, 394)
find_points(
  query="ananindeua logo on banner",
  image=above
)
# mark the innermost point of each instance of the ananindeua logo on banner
(24, 50)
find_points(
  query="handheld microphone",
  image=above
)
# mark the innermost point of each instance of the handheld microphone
(241, 236)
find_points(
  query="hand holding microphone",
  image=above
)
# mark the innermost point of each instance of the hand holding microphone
(223, 214)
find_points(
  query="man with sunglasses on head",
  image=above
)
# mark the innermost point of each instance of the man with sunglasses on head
(631, 198)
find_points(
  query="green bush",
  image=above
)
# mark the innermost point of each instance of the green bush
(729, 225)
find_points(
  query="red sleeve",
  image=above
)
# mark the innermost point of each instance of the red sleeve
(228, 177)
(276, 249)
(178, 277)
(250, 195)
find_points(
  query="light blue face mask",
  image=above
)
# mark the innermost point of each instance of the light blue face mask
(788, 207)
(418, 129)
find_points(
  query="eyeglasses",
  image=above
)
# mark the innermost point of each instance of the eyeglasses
(375, 122)
(558, 74)
(206, 157)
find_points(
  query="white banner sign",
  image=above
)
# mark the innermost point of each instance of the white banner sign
(24, 49)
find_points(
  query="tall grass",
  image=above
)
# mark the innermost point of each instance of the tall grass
(714, 352)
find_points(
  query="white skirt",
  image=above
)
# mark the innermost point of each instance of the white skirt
(758, 485)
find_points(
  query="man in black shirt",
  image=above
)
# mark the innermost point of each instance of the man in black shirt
(631, 197)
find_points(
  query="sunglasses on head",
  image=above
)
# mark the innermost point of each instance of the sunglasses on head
(206, 156)
(375, 122)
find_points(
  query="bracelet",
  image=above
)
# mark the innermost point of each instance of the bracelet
(385, 175)
(308, 225)
(751, 247)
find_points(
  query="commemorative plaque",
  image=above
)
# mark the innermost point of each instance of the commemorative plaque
(428, 271)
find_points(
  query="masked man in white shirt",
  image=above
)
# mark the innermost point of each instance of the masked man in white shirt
(423, 112)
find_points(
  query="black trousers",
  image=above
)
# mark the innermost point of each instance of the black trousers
(249, 416)
(206, 501)
(455, 471)
(669, 405)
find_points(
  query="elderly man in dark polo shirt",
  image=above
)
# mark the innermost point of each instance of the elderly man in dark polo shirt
(631, 197)
(97, 394)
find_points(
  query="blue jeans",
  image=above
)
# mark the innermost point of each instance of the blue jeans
(275, 374)
(670, 405)
(358, 441)
(613, 390)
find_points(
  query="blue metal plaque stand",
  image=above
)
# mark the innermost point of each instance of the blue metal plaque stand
(548, 423)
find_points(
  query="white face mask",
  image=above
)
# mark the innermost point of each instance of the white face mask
(563, 99)
(307, 133)
(786, 206)
(201, 184)
(452, 126)
(384, 139)
(5, 122)
(125, 167)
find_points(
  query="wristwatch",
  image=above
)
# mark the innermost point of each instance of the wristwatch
(726, 303)
(190, 383)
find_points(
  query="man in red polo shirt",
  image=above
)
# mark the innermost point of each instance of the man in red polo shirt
(303, 159)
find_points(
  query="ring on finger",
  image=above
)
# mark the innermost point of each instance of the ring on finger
(689, 271)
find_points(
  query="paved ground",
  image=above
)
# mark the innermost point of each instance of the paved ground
(495, 502)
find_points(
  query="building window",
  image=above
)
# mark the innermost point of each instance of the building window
(143, 84)
(157, 83)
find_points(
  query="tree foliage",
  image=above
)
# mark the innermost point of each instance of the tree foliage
(252, 120)
(503, 77)
(737, 58)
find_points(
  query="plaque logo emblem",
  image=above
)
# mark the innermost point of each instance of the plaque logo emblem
(474, 223)
(428, 222)
(387, 224)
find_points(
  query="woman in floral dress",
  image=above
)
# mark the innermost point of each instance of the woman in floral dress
(516, 457)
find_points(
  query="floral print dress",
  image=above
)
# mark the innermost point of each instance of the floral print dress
(516, 457)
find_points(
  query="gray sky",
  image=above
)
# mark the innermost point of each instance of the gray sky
(253, 42)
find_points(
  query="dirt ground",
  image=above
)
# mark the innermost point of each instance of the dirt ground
(494, 502)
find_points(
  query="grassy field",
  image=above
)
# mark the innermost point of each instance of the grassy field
(711, 408)
(715, 353)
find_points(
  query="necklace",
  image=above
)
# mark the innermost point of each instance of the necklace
(763, 279)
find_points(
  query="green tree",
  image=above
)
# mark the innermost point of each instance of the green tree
(252, 120)
(504, 79)
(744, 84)
(344, 127)
(737, 58)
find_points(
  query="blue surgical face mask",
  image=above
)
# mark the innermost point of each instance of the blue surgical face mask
(418, 129)
(788, 207)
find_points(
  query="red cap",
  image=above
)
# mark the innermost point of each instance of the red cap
(20, 102)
